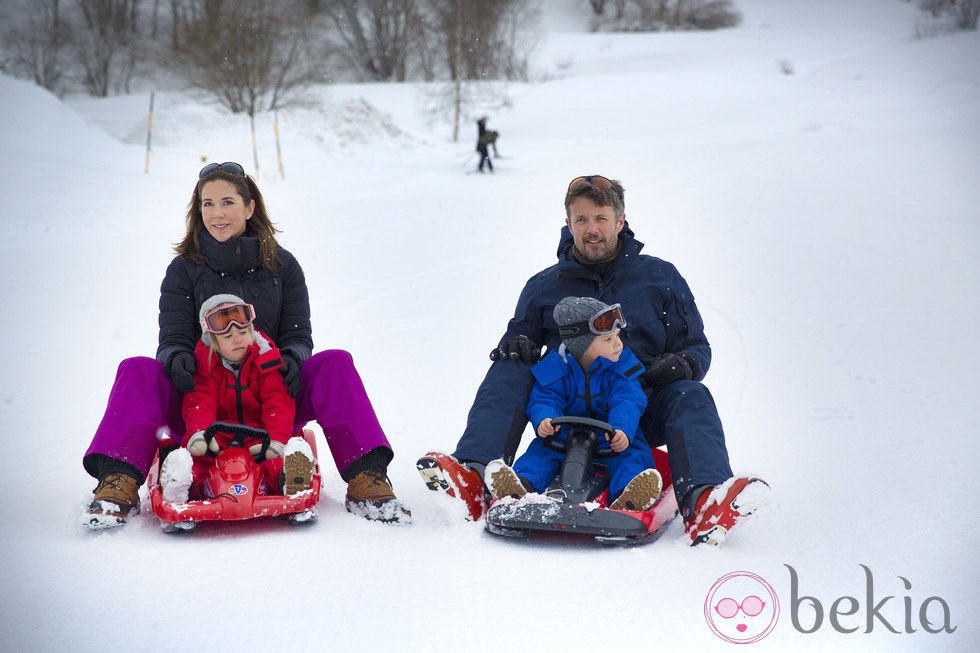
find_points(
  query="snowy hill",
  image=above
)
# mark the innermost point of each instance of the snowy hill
(826, 220)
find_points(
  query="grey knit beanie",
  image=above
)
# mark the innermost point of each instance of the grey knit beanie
(213, 302)
(577, 309)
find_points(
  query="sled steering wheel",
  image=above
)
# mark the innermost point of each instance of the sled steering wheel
(583, 430)
(238, 433)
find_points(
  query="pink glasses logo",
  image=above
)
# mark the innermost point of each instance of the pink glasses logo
(741, 608)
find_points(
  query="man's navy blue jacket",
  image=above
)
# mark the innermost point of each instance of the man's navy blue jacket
(661, 317)
(658, 305)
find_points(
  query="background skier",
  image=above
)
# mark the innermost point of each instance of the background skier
(484, 139)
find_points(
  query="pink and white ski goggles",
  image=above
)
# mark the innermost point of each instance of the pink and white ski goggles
(221, 319)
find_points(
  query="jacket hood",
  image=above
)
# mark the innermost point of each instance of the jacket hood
(629, 241)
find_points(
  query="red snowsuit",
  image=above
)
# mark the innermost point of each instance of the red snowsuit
(257, 397)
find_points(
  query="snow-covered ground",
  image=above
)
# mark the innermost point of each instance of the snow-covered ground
(827, 221)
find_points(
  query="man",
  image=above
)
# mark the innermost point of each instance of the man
(599, 257)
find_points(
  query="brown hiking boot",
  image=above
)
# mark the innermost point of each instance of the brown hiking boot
(369, 494)
(503, 481)
(116, 496)
(297, 467)
(640, 493)
(370, 485)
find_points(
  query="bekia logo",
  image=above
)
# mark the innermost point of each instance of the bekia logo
(846, 614)
(741, 608)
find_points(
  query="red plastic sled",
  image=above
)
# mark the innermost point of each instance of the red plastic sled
(233, 483)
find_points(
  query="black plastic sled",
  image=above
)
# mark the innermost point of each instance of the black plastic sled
(578, 501)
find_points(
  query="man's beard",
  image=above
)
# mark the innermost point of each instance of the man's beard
(606, 255)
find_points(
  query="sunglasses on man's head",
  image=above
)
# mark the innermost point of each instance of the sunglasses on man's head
(595, 180)
(228, 166)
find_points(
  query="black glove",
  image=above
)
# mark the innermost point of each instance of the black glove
(290, 373)
(518, 347)
(181, 370)
(667, 368)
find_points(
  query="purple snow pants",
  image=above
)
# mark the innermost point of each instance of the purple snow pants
(143, 401)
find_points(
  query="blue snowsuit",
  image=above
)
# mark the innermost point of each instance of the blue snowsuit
(662, 318)
(609, 392)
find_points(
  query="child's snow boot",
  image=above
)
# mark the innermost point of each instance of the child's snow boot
(503, 481)
(297, 466)
(116, 497)
(176, 476)
(720, 508)
(443, 473)
(640, 493)
(370, 495)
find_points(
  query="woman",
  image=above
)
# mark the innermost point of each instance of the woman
(230, 247)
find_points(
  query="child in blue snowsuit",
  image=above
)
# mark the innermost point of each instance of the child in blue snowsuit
(590, 375)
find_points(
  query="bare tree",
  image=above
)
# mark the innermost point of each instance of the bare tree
(378, 35)
(474, 41)
(457, 67)
(964, 14)
(105, 44)
(934, 7)
(493, 37)
(182, 14)
(39, 48)
(599, 7)
(249, 54)
(711, 14)
(655, 15)
(967, 13)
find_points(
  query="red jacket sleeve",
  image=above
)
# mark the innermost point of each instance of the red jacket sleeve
(278, 407)
(200, 406)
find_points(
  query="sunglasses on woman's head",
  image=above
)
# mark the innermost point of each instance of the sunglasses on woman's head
(228, 166)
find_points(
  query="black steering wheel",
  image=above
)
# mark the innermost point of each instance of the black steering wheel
(584, 432)
(238, 433)
(581, 446)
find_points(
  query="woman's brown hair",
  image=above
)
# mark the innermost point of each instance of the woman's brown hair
(259, 224)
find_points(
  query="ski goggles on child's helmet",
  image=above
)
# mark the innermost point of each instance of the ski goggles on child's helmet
(604, 322)
(220, 320)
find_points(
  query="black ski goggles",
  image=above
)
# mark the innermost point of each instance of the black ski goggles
(228, 166)
(604, 322)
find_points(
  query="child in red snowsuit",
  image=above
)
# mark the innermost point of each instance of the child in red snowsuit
(237, 380)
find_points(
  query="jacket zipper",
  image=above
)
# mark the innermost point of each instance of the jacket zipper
(588, 396)
(239, 388)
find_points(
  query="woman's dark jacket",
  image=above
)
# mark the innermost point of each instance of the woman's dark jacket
(280, 298)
